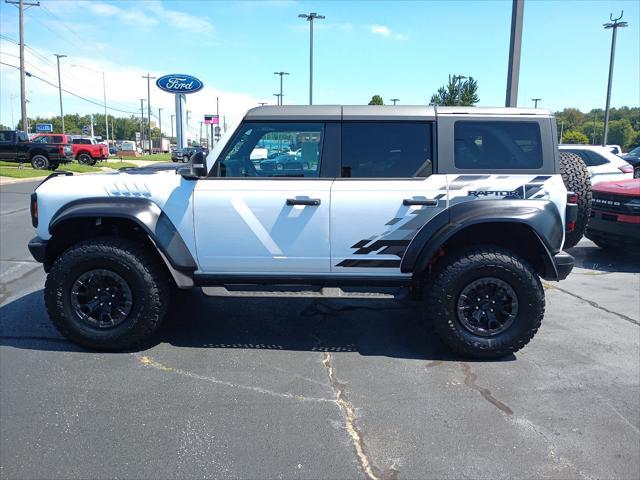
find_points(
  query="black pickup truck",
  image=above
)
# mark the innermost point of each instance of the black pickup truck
(15, 146)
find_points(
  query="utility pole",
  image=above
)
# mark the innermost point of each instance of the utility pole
(535, 102)
(58, 57)
(513, 70)
(142, 124)
(106, 118)
(172, 116)
(458, 78)
(593, 139)
(281, 75)
(149, 78)
(23, 85)
(200, 137)
(614, 25)
(91, 117)
(394, 100)
(310, 18)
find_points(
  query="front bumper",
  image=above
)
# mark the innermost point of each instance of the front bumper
(564, 264)
(38, 249)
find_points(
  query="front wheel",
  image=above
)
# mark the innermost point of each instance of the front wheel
(485, 302)
(107, 294)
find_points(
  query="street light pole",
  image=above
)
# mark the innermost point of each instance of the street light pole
(277, 95)
(310, 18)
(160, 122)
(281, 94)
(458, 78)
(149, 78)
(58, 57)
(535, 102)
(104, 95)
(172, 125)
(515, 43)
(614, 25)
(142, 124)
(394, 100)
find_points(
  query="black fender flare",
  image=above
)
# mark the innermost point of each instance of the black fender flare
(142, 211)
(541, 216)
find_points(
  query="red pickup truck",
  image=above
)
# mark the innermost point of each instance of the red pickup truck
(86, 150)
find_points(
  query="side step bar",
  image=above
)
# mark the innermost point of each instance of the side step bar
(402, 293)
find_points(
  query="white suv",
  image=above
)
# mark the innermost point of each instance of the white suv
(603, 165)
(464, 206)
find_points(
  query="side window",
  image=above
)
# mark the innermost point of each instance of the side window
(42, 139)
(273, 150)
(596, 159)
(497, 145)
(586, 158)
(5, 137)
(386, 150)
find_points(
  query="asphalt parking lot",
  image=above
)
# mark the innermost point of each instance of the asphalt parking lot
(319, 388)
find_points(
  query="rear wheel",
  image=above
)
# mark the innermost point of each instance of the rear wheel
(107, 294)
(86, 159)
(577, 180)
(39, 162)
(485, 302)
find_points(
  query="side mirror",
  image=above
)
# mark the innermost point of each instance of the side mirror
(197, 167)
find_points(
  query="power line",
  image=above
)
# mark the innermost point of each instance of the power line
(68, 91)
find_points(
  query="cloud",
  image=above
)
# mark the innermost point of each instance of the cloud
(384, 31)
(178, 19)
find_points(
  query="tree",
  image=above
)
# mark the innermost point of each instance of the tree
(457, 93)
(574, 136)
(571, 117)
(376, 100)
(620, 133)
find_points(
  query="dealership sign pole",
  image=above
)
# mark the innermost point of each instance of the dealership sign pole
(180, 85)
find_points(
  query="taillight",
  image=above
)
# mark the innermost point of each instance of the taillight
(34, 210)
(571, 226)
(572, 197)
(626, 169)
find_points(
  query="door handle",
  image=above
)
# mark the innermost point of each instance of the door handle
(312, 202)
(425, 202)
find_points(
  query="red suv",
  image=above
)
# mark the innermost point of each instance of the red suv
(615, 214)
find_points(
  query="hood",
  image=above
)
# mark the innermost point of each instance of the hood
(630, 187)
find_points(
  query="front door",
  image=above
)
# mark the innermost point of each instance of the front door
(385, 195)
(265, 209)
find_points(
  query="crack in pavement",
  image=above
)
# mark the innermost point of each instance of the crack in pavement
(470, 381)
(593, 304)
(371, 472)
(151, 363)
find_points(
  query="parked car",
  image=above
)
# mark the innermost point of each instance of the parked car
(615, 149)
(184, 154)
(469, 235)
(15, 146)
(633, 158)
(285, 161)
(615, 215)
(603, 165)
(86, 150)
(113, 150)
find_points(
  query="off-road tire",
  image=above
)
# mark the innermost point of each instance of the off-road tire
(86, 159)
(458, 270)
(577, 180)
(40, 162)
(144, 275)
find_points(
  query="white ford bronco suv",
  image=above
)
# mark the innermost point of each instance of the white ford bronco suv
(466, 207)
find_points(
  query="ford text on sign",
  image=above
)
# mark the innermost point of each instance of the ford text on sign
(178, 83)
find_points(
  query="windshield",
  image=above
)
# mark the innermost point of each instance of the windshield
(218, 147)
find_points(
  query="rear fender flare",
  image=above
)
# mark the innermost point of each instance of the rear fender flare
(541, 216)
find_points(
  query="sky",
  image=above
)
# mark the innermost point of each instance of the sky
(398, 49)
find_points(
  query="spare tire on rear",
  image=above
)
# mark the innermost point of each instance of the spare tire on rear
(576, 179)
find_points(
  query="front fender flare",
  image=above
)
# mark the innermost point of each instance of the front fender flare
(142, 211)
(541, 216)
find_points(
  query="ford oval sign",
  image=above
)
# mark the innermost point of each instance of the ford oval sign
(177, 83)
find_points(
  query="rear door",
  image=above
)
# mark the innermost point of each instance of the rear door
(386, 192)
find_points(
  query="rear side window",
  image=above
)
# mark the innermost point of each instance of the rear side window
(497, 145)
(6, 137)
(591, 159)
(82, 141)
(386, 150)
